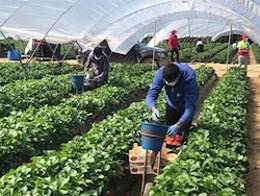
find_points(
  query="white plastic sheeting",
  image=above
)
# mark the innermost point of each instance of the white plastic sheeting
(193, 28)
(123, 22)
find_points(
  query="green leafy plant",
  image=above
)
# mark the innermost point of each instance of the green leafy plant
(28, 133)
(256, 50)
(10, 72)
(214, 161)
(210, 50)
(86, 164)
(52, 89)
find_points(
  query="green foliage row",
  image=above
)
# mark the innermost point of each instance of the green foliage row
(52, 89)
(86, 164)
(26, 134)
(214, 161)
(10, 72)
(211, 49)
(256, 50)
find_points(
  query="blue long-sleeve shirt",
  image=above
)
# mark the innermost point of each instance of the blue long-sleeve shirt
(182, 97)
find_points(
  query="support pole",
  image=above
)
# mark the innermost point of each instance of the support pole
(154, 42)
(29, 60)
(54, 51)
(229, 43)
(67, 52)
(189, 26)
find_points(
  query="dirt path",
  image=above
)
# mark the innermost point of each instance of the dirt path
(252, 59)
(253, 126)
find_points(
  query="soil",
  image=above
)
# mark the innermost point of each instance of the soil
(253, 147)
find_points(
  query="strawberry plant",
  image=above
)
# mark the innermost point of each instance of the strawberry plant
(220, 57)
(210, 51)
(11, 72)
(256, 50)
(50, 90)
(204, 74)
(86, 164)
(25, 134)
(214, 161)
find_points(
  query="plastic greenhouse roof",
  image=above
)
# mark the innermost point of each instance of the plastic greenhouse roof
(123, 22)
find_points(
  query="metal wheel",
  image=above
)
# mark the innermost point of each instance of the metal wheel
(147, 188)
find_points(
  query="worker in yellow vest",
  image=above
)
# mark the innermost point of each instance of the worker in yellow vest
(243, 51)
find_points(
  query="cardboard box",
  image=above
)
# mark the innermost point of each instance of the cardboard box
(137, 155)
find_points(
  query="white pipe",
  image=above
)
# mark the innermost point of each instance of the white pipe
(154, 43)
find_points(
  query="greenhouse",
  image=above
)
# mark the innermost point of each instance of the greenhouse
(130, 97)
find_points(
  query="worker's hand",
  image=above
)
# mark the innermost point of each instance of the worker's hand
(173, 130)
(155, 115)
(87, 76)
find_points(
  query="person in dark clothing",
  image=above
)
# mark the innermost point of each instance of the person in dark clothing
(174, 45)
(200, 46)
(98, 59)
(182, 93)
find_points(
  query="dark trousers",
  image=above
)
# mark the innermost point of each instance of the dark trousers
(176, 51)
(173, 116)
(200, 48)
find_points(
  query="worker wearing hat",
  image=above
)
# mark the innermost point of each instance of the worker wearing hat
(174, 45)
(182, 93)
(98, 59)
(243, 51)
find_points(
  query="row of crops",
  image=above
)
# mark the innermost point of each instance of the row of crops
(28, 133)
(51, 90)
(21, 45)
(87, 163)
(11, 72)
(189, 54)
(256, 50)
(214, 161)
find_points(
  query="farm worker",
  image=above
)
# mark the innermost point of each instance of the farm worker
(182, 94)
(100, 63)
(174, 45)
(243, 51)
(234, 50)
(199, 45)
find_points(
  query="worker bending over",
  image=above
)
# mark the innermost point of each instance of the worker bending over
(182, 93)
(98, 59)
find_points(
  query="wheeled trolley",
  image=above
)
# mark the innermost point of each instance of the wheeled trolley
(149, 158)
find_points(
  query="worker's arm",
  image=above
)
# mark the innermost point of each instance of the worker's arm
(102, 75)
(155, 90)
(87, 64)
(191, 95)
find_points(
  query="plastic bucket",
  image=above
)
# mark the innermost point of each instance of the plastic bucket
(153, 136)
(13, 55)
(77, 81)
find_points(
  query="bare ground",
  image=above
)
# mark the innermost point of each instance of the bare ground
(253, 147)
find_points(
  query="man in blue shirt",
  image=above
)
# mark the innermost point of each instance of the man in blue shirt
(182, 94)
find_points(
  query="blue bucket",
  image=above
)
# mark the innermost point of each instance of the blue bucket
(13, 55)
(77, 81)
(153, 136)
